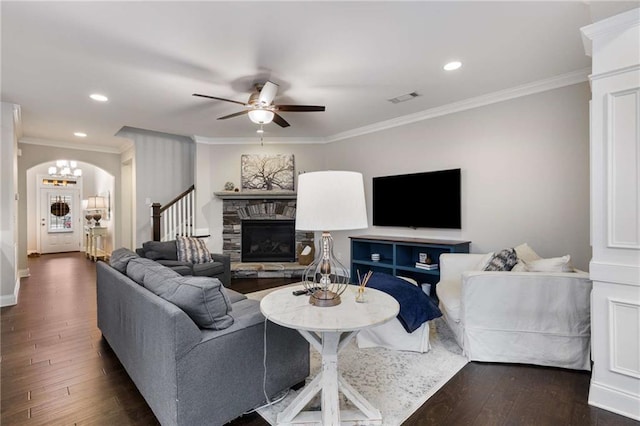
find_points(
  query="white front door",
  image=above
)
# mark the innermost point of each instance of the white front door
(60, 220)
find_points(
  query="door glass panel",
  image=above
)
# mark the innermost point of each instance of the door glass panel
(60, 213)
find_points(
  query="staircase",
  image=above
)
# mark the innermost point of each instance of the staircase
(175, 218)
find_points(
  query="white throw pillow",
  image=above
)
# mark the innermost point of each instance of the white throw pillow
(526, 253)
(484, 261)
(554, 264)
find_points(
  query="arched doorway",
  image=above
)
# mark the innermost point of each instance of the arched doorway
(57, 215)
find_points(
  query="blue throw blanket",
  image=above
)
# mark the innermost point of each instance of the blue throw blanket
(415, 306)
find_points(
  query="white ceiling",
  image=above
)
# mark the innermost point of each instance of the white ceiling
(149, 57)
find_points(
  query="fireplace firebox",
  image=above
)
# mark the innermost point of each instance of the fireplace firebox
(268, 241)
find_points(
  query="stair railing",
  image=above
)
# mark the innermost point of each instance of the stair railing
(174, 218)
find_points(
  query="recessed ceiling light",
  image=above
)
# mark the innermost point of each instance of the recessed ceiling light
(260, 131)
(452, 66)
(80, 134)
(98, 97)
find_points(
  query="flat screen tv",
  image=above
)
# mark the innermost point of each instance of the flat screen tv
(418, 200)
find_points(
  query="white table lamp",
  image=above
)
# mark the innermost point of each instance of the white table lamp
(329, 201)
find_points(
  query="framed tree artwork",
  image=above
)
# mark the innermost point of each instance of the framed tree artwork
(267, 172)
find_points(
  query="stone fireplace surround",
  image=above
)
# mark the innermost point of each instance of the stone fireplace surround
(237, 207)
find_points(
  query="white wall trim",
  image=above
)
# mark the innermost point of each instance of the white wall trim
(612, 25)
(256, 140)
(615, 72)
(11, 299)
(614, 273)
(623, 189)
(614, 400)
(617, 342)
(71, 145)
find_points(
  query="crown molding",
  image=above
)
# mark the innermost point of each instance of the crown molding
(539, 86)
(71, 145)
(256, 140)
(612, 25)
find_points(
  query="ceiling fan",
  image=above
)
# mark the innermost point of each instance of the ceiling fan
(260, 107)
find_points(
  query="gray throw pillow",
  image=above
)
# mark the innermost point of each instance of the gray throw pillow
(504, 260)
(120, 259)
(204, 299)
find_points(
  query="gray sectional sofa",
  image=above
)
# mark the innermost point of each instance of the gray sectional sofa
(166, 253)
(193, 348)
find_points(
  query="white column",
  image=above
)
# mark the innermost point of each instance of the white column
(614, 44)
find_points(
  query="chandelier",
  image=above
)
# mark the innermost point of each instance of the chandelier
(65, 169)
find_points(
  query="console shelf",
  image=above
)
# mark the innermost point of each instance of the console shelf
(398, 256)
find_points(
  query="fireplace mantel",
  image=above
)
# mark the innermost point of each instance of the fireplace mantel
(256, 195)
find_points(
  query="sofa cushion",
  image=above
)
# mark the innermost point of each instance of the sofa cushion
(504, 260)
(192, 250)
(208, 269)
(120, 259)
(204, 299)
(139, 267)
(449, 296)
(180, 267)
(166, 250)
(234, 296)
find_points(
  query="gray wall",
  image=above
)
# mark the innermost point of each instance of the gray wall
(164, 167)
(525, 171)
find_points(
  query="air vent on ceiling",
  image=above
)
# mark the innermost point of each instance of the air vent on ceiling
(403, 98)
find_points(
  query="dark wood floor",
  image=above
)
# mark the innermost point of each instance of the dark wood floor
(56, 368)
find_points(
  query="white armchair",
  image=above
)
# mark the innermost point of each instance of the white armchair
(540, 318)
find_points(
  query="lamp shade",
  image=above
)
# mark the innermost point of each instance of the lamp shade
(96, 202)
(331, 201)
(261, 116)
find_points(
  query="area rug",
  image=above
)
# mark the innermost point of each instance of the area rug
(395, 382)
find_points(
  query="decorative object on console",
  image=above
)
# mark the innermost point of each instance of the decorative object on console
(229, 186)
(87, 216)
(267, 172)
(329, 201)
(427, 266)
(97, 204)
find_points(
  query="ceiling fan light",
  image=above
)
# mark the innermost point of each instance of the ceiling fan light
(261, 116)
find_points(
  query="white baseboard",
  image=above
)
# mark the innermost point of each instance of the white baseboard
(24, 273)
(614, 400)
(11, 299)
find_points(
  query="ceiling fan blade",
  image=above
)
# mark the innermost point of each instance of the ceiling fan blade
(267, 93)
(300, 108)
(235, 114)
(280, 121)
(219, 99)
